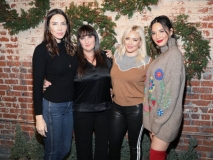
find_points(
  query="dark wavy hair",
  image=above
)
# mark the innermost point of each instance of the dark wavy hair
(52, 46)
(87, 30)
(166, 24)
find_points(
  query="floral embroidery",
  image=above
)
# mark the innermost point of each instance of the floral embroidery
(151, 88)
(162, 86)
(165, 98)
(159, 74)
(153, 102)
(146, 108)
(160, 112)
(165, 101)
(151, 97)
(151, 84)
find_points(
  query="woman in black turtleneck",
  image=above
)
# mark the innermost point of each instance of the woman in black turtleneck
(54, 61)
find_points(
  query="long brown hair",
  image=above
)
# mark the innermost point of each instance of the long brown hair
(87, 30)
(52, 46)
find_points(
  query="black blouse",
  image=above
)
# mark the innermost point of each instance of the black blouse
(92, 90)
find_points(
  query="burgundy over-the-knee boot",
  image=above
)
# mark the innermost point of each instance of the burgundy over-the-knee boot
(157, 155)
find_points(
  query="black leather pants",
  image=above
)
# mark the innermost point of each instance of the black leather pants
(123, 119)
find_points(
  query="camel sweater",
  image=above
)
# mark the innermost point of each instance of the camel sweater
(128, 85)
(164, 88)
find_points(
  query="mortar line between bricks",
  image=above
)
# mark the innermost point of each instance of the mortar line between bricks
(17, 121)
(197, 134)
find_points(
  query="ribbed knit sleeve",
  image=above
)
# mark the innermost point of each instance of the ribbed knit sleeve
(39, 68)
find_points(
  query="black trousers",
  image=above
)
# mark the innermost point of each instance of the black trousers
(123, 119)
(87, 123)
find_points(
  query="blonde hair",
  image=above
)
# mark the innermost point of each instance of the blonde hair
(142, 53)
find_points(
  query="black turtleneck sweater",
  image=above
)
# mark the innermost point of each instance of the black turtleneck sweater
(56, 70)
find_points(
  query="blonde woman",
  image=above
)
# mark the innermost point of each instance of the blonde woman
(128, 74)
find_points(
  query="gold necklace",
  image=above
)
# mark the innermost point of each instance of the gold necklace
(90, 60)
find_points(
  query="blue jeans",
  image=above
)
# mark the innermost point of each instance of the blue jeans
(59, 120)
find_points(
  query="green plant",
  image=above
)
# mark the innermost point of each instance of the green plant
(172, 155)
(93, 16)
(35, 147)
(190, 153)
(72, 155)
(19, 149)
(127, 7)
(31, 19)
(196, 48)
(145, 145)
(125, 153)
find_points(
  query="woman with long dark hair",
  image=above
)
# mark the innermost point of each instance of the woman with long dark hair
(54, 61)
(92, 98)
(164, 89)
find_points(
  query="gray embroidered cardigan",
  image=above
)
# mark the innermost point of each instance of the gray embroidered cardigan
(164, 88)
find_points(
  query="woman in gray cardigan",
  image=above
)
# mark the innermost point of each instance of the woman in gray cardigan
(164, 88)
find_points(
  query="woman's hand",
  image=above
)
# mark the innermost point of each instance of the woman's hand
(46, 84)
(41, 126)
(109, 53)
(151, 134)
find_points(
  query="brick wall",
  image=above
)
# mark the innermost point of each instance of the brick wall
(16, 78)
